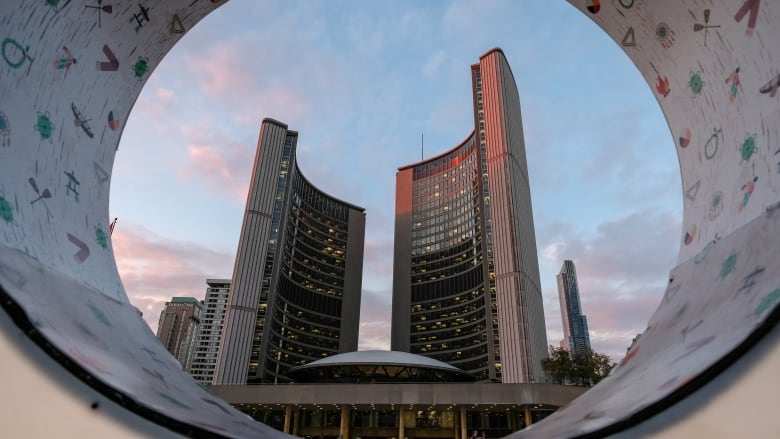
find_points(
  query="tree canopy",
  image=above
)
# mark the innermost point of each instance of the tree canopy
(583, 369)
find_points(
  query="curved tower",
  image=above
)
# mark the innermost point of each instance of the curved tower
(297, 278)
(466, 287)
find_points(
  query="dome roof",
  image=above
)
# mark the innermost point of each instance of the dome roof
(378, 366)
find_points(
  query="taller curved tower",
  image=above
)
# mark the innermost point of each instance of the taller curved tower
(295, 296)
(466, 287)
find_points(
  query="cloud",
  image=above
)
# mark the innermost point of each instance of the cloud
(154, 269)
(431, 66)
(375, 318)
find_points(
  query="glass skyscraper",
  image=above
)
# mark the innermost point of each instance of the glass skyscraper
(466, 287)
(575, 325)
(295, 294)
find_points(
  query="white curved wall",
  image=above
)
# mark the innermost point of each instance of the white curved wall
(60, 124)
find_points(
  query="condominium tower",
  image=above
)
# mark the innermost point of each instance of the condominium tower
(212, 321)
(295, 294)
(178, 327)
(575, 325)
(466, 287)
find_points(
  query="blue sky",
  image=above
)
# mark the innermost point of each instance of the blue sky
(360, 81)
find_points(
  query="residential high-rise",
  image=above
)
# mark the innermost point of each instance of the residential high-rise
(575, 325)
(212, 322)
(295, 294)
(466, 287)
(178, 327)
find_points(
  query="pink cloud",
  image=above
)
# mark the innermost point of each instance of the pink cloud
(375, 318)
(154, 268)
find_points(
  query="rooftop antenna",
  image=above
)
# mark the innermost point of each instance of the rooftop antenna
(422, 145)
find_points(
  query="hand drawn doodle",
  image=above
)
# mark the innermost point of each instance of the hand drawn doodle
(627, 4)
(100, 8)
(140, 17)
(693, 191)
(748, 148)
(112, 64)
(685, 138)
(695, 83)
(747, 191)
(73, 185)
(100, 173)
(65, 62)
(100, 316)
(728, 265)
(699, 258)
(177, 27)
(662, 85)
(771, 87)
(664, 34)
(768, 302)
(711, 147)
(690, 235)
(5, 130)
(44, 126)
(83, 252)
(716, 205)
(736, 85)
(80, 121)
(100, 237)
(749, 281)
(629, 40)
(113, 121)
(42, 196)
(22, 54)
(140, 67)
(594, 6)
(706, 26)
(6, 210)
(752, 7)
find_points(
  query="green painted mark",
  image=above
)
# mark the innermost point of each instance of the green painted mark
(696, 83)
(174, 401)
(53, 3)
(767, 303)
(141, 67)
(729, 264)
(44, 125)
(99, 314)
(748, 148)
(101, 237)
(6, 212)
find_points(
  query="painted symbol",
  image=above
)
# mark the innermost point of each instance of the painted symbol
(44, 126)
(593, 6)
(695, 346)
(747, 191)
(768, 302)
(157, 375)
(627, 4)
(629, 39)
(6, 210)
(113, 121)
(177, 27)
(771, 86)
(736, 85)
(685, 138)
(153, 355)
(83, 252)
(728, 265)
(716, 205)
(750, 280)
(174, 401)
(100, 8)
(692, 191)
(215, 403)
(139, 17)
(752, 7)
(100, 173)
(101, 237)
(5, 130)
(711, 147)
(112, 226)
(42, 196)
(662, 85)
(73, 185)
(112, 64)
(696, 83)
(688, 329)
(706, 26)
(690, 235)
(21, 54)
(80, 121)
(141, 67)
(66, 62)
(53, 3)
(699, 258)
(664, 34)
(748, 148)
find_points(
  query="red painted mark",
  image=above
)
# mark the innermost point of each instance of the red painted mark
(83, 252)
(112, 64)
(752, 7)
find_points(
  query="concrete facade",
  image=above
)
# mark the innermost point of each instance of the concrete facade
(466, 286)
(178, 328)
(212, 322)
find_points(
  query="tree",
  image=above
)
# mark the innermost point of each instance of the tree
(584, 369)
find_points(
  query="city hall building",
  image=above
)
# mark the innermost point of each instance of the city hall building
(466, 287)
(295, 293)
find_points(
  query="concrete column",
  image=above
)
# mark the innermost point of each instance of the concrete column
(401, 427)
(296, 421)
(463, 432)
(528, 419)
(456, 425)
(287, 418)
(344, 430)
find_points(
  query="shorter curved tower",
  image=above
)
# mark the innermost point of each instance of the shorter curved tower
(466, 287)
(295, 296)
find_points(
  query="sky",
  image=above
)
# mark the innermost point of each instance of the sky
(360, 81)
